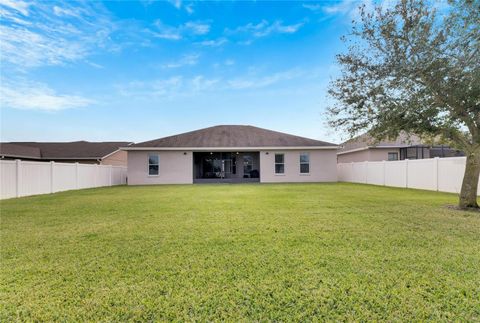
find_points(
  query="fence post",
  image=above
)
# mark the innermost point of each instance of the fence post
(351, 172)
(384, 172)
(52, 176)
(435, 173)
(95, 172)
(406, 173)
(110, 170)
(76, 176)
(366, 172)
(18, 177)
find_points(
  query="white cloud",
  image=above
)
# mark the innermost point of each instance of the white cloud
(176, 33)
(312, 7)
(189, 8)
(151, 89)
(179, 86)
(349, 8)
(265, 28)
(179, 5)
(37, 96)
(186, 60)
(20, 6)
(214, 42)
(229, 62)
(176, 3)
(52, 35)
(197, 28)
(263, 81)
(200, 83)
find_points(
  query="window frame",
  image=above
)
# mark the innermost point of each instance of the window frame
(392, 153)
(275, 163)
(304, 163)
(151, 164)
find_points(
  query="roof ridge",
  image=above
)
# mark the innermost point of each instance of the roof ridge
(233, 136)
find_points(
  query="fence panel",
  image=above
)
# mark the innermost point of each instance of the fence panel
(395, 174)
(421, 174)
(65, 177)
(359, 172)
(437, 174)
(455, 167)
(23, 178)
(8, 174)
(375, 173)
(35, 178)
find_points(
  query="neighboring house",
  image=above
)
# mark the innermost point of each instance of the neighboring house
(231, 154)
(106, 153)
(365, 148)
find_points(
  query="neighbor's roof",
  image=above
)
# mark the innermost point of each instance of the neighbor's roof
(14, 150)
(232, 136)
(60, 150)
(366, 141)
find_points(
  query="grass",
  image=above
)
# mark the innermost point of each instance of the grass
(291, 252)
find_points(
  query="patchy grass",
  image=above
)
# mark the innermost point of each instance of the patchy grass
(239, 252)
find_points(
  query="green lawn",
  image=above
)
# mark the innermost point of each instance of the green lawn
(239, 252)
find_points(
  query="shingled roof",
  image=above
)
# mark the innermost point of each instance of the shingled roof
(367, 141)
(61, 150)
(232, 136)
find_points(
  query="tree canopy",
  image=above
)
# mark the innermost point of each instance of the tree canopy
(413, 67)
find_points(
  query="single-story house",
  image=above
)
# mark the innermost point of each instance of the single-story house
(231, 154)
(104, 153)
(366, 148)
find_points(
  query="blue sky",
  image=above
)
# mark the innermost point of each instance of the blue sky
(142, 70)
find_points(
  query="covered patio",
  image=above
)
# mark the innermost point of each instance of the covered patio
(226, 167)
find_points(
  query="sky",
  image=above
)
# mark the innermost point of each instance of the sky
(136, 71)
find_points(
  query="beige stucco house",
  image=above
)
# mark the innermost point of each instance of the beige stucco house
(366, 148)
(231, 154)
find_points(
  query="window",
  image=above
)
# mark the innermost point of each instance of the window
(153, 165)
(279, 163)
(392, 156)
(304, 163)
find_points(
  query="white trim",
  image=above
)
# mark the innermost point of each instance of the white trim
(275, 163)
(300, 162)
(148, 165)
(200, 149)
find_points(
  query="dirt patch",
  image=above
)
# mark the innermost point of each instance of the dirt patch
(470, 209)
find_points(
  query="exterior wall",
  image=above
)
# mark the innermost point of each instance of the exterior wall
(380, 154)
(323, 166)
(175, 168)
(356, 156)
(118, 158)
(371, 154)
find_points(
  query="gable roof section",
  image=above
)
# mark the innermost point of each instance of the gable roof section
(14, 150)
(231, 136)
(61, 150)
(366, 141)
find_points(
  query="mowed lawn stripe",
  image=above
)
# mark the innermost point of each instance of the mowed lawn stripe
(239, 252)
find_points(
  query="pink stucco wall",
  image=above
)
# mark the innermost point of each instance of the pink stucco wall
(371, 154)
(176, 167)
(323, 166)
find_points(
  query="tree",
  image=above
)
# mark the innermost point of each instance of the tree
(414, 68)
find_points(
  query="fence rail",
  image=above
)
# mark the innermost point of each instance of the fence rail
(436, 174)
(23, 178)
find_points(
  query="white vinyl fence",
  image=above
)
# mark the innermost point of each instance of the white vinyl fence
(436, 174)
(22, 178)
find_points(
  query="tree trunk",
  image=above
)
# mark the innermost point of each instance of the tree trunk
(468, 194)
